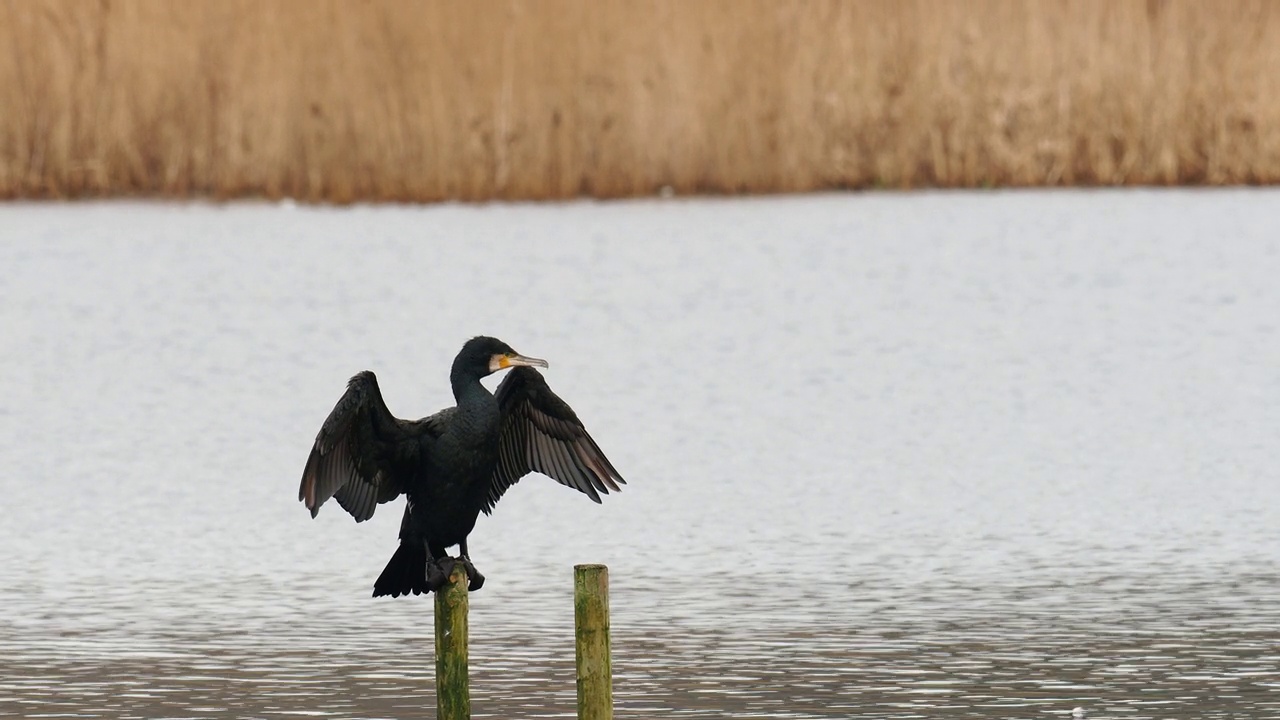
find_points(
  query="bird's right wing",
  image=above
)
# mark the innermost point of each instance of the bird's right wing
(539, 432)
(351, 458)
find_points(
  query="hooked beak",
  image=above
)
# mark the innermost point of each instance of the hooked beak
(502, 362)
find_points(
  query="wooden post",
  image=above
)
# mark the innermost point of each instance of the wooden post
(591, 625)
(453, 691)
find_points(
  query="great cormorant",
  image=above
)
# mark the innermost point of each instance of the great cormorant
(451, 465)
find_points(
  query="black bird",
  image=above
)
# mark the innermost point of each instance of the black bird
(451, 465)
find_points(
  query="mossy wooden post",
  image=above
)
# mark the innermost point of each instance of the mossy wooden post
(453, 691)
(591, 624)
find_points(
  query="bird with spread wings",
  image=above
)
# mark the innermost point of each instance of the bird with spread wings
(452, 465)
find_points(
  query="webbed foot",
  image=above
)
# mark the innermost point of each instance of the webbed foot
(476, 579)
(438, 573)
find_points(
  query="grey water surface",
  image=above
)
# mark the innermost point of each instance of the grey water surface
(991, 455)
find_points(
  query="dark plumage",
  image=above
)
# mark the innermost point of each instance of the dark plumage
(453, 464)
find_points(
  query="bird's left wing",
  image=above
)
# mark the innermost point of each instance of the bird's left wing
(539, 432)
(352, 457)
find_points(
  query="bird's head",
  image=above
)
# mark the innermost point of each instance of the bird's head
(484, 355)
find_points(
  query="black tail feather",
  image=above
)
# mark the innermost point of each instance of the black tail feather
(406, 572)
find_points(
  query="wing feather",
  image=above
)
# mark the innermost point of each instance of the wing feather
(354, 454)
(584, 466)
(589, 453)
(567, 471)
(539, 432)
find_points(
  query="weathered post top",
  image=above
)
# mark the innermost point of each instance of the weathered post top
(591, 622)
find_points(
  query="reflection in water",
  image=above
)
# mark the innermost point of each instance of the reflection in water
(981, 455)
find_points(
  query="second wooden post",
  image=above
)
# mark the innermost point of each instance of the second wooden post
(591, 623)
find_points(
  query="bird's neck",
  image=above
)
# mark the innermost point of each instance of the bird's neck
(477, 409)
(467, 388)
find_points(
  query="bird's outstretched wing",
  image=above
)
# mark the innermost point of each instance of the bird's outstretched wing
(539, 432)
(354, 455)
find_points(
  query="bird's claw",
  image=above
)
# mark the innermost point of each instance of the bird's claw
(439, 570)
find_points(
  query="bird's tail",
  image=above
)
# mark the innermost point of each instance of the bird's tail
(406, 572)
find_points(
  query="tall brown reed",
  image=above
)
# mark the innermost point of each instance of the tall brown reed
(342, 100)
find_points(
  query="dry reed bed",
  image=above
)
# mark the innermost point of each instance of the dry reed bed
(336, 100)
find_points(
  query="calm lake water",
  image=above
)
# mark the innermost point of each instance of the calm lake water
(994, 455)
